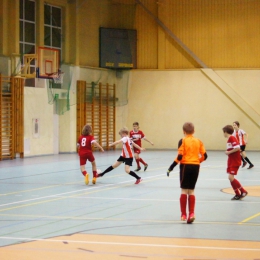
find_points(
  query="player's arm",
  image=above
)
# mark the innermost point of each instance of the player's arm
(116, 142)
(98, 145)
(138, 147)
(176, 161)
(203, 153)
(148, 140)
(235, 149)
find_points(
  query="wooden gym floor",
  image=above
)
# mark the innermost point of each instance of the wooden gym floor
(47, 212)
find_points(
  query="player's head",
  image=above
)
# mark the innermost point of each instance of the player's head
(188, 128)
(123, 131)
(136, 125)
(236, 125)
(86, 130)
(228, 129)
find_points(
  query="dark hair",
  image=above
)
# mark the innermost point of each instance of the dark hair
(124, 130)
(188, 128)
(228, 129)
(136, 123)
(86, 130)
(237, 123)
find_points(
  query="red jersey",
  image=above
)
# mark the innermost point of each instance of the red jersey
(234, 159)
(138, 136)
(85, 142)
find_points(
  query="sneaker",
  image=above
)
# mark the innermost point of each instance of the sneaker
(94, 180)
(191, 218)
(99, 175)
(243, 195)
(86, 179)
(138, 181)
(145, 167)
(236, 197)
(244, 164)
(138, 169)
(250, 166)
(183, 217)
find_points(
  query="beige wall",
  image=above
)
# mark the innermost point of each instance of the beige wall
(161, 101)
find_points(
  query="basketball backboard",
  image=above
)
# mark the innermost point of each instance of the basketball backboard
(48, 62)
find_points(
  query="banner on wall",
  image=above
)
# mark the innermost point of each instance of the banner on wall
(36, 127)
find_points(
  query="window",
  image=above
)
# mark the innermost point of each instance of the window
(28, 33)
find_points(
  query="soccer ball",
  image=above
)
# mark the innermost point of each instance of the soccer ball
(98, 171)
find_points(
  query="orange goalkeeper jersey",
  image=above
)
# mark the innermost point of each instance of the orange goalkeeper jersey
(191, 151)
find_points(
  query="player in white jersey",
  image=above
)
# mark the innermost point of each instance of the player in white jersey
(126, 155)
(242, 138)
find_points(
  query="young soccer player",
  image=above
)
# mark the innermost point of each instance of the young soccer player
(191, 153)
(84, 144)
(126, 155)
(242, 138)
(234, 162)
(137, 135)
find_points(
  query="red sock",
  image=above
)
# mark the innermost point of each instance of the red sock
(138, 163)
(183, 203)
(236, 185)
(239, 186)
(94, 174)
(84, 173)
(142, 161)
(191, 201)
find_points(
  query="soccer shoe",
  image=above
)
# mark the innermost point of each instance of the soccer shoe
(145, 167)
(138, 169)
(243, 195)
(168, 173)
(191, 218)
(244, 164)
(236, 197)
(183, 217)
(138, 181)
(250, 166)
(86, 179)
(94, 180)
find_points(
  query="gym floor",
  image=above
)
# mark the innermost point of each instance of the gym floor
(47, 211)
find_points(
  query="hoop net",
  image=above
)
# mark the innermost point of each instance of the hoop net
(57, 77)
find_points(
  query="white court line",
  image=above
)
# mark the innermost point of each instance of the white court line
(129, 244)
(70, 192)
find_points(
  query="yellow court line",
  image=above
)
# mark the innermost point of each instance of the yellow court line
(247, 219)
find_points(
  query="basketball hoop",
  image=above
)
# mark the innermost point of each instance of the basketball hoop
(57, 77)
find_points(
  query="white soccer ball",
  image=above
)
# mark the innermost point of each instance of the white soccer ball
(98, 171)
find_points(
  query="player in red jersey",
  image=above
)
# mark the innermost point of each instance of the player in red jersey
(137, 135)
(233, 162)
(126, 155)
(84, 144)
(242, 138)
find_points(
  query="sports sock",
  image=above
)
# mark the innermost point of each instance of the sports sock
(110, 168)
(138, 163)
(248, 160)
(134, 175)
(191, 201)
(183, 204)
(94, 174)
(84, 173)
(243, 160)
(236, 185)
(142, 161)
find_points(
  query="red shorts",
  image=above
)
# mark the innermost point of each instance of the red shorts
(136, 150)
(86, 157)
(232, 170)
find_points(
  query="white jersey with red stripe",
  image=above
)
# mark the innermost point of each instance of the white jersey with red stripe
(127, 147)
(239, 136)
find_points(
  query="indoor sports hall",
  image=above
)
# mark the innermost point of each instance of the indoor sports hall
(109, 64)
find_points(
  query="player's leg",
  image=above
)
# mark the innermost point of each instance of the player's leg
(246, 159)
(237, 187)
(112, 167)
(94, 170)
(83, 161)
(242, 148)
(183, 204)
(128, 163)
(137, 159)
